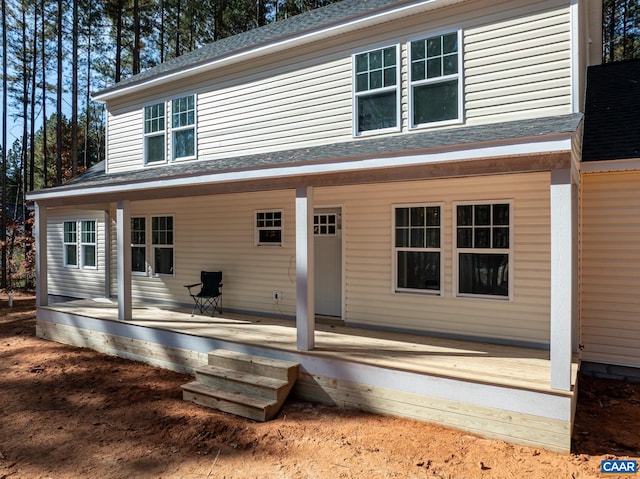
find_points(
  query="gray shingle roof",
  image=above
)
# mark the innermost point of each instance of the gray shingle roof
(612, 112)
(398, 145)
(305, 22)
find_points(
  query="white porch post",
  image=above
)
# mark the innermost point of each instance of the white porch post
(562, 278)
(123, 225)
(305, 301)
(40, 235)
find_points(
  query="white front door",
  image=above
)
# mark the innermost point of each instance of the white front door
(327, 227)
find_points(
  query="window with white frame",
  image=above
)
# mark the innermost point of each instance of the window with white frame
(138, 245)
(269, 228)
(483, 248)
(154, 133)
(162, 244)
(183, 130)
(417, 248)
(434, 77)
(88, 244)
(70, 243)
(376, 99)
(80, 244)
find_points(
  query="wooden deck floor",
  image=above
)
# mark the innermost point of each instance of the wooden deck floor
(484, 363)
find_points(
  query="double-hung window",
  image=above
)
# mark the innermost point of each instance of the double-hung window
(483, 241)
(434, 76)
(269, 228)
(376, 90)
(154, 133)
(80, 244)
(183, 129)
(162, 243)
(70, 243)
(88, 244)
(417, 248)
(138, 245)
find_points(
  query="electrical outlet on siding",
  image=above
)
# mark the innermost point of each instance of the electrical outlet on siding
(277, 296)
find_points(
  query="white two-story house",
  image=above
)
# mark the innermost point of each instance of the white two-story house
(400, 166)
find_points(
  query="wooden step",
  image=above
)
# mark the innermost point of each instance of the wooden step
(241, 382)
(273, 368)
(256, 408)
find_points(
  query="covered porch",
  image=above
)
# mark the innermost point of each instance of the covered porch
(493, 390)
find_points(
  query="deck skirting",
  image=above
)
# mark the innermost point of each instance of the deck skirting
(535, 418)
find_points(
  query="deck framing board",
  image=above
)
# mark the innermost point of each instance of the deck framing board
(538, 418)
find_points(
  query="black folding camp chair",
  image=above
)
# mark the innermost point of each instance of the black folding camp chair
(210, 295)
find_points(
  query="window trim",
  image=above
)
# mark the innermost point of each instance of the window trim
(397, 89)
(394, 250)
(155, 246)
(173, 130)
(65, 243)
(257, 228)
(144, 245)
(146, 135)
(82, 244)
(459, 76)
(509, 251)
(79, 244)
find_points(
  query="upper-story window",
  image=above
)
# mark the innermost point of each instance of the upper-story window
(154, 133)
(183, 120)
(434, 77)
(376, 90)
(181, 128)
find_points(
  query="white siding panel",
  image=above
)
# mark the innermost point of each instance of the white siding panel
(289, 110)
(125, 140)
(610, 261)
(368, 260)
(74, 282)
(516, 65)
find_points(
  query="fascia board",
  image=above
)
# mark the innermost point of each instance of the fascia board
(560, 143)
(249, 53)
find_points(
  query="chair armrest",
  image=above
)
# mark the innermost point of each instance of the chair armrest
(192, 285)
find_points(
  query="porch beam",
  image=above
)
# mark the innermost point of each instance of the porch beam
(305, 300)
(123, 258)
(563, 276)
(40, 235)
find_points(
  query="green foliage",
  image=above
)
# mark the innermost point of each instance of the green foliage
(621, 30)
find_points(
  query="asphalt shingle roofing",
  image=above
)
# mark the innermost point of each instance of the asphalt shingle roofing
(384, 146)
(612, 112)
(304, 22)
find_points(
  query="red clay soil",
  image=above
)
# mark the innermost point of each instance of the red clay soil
(68, 412)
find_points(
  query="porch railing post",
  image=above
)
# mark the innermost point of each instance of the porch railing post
(123, 238)
(563, 276)
(305, 300)
(40, 234)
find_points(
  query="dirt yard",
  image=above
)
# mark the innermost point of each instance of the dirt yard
(73, 413)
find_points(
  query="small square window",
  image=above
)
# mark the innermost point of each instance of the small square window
(268, 228)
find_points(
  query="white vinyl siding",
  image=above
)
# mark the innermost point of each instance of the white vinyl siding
(516, 64)
(519, 67)
(221, 238)
(610, 262)
(369, 297)
(86, 280)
